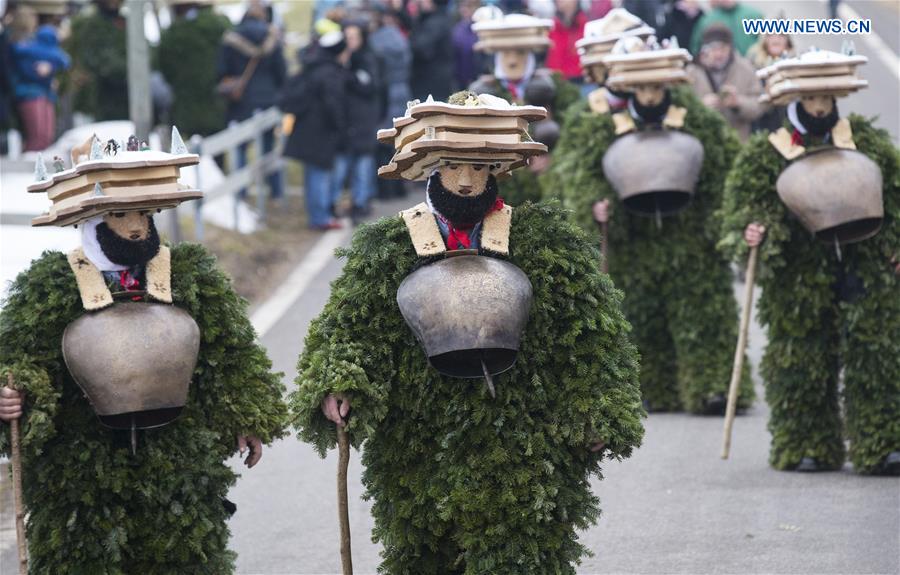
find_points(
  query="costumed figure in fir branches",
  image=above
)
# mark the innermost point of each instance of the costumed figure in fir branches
(485, 356)
(138, 376)
(187, 57)
(600, 36)
(653, 173)
(515, 41)
(820, 197)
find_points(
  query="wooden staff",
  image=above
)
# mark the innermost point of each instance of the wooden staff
(604, 245)
(739, 352)
(343, 502)
(604, 231)
(17, 486)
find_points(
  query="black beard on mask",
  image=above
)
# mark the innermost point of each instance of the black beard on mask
(818, 126)
(461, 211)
(652, 114)
(125, 252)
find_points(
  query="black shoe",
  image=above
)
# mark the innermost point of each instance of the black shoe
(890, 465)
(808, 465)
(715, 404)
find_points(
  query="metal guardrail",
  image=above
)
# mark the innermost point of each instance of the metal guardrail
(228, 142)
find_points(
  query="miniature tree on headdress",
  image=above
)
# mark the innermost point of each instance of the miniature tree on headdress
(40, 170)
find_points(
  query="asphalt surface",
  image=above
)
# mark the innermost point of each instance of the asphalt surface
(674, 507)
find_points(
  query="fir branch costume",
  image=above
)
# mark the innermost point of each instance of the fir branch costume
(187, 55)
(823, 314)
(678, 288)
(464, 483)
(95, 507)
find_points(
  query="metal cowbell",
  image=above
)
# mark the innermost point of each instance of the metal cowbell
(835, 193)
(654, 172)
(468, 312)
(134, 361)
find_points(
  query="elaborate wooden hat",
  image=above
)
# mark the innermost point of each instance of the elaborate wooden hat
(113, 180)
(817, 72)
(634, 61)
(601, 35)
(483, 129)
(512, 32)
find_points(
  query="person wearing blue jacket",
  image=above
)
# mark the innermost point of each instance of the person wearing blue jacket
(35, 63)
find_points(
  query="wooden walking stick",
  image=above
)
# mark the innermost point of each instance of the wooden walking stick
(604, 234)
(17, 486)
(739, 352)
(343, 502)
(604, 245)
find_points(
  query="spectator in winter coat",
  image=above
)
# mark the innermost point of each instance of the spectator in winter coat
(391, 47)
(725, 81)
(731, 13)
(568, 28)
(465, 60)
(432, 48)
(679, 19)
(356, 159)
(317, 97)
(769, 49)
(254, 44)
(35, 63)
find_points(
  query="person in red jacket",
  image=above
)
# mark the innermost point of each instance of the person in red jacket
(568, 27)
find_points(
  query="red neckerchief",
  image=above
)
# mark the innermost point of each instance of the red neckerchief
(796, 138)
(129, 282)
(458, 237)
(513, 89)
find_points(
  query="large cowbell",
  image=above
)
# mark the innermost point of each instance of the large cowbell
(134, 361)
(835, 193)
(468, 312)
(654, 172)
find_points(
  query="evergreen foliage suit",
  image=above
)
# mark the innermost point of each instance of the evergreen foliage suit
(825, 315)
(462, 482)
(678, 293)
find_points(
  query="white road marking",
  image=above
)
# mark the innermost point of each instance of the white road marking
(274, 308)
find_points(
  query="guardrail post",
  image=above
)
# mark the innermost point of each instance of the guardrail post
(232, 155)
(197, 148)
(259, 168)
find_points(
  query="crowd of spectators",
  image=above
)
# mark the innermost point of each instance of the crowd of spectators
(364, 61)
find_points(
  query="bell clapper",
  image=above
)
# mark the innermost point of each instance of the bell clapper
(488, 380)
(658, 214)
(837, 248)
(133, 437)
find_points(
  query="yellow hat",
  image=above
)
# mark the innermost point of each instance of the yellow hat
(513, 32)
(634, 61)
(601, 35)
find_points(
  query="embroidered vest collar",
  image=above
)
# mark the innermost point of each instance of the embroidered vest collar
(786, 145)
(92, 286)
(427, 239)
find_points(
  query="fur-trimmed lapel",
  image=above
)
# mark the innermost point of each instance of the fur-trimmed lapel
(624, 123)
(159, 276)
(423, 230)
(96, 295)
(842, 135)
(495, 231)
(781, 140)
(675, 117)
(598, 101)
